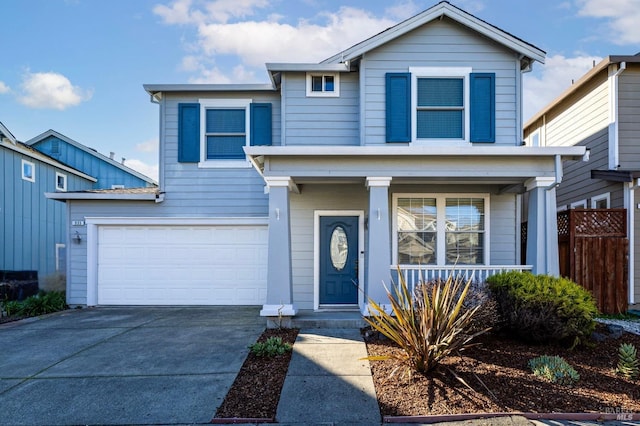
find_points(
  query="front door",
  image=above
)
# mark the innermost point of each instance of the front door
(338, 260)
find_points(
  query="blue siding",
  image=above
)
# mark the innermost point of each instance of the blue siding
(106, 173)
(30, 224)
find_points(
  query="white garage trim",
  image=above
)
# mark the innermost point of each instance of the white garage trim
(92, 237)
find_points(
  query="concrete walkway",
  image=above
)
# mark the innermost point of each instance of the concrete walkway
(328, 382)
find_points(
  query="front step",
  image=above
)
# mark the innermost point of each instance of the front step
(327, 319)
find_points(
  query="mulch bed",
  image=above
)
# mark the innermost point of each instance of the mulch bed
(498, 362)
(256, 391)
(501, 364)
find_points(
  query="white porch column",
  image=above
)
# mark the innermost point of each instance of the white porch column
(379, 244)
(542, 227)
(279, 282)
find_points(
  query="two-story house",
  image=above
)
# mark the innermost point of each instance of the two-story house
(404, 150)
(32, 228)
(600, 112)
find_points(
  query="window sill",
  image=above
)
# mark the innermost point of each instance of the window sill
(224, 164)
(441, 142)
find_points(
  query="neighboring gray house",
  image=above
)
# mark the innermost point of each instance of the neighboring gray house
(601, 112)
(33, 235)
(309, 192)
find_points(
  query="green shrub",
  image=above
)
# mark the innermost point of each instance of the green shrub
(628, 365)
(541, 308)
(478, 296)
(428, 327)
(554, 369)
(42, 303)
(271, 347)
(12, 308)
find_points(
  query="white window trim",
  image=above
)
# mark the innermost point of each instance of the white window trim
(64, 182)
(580, 204)
(223, 103)
(33, 171)
(606, 196)
(59, 248)
(441, 248)
(531, 138)
(323, 94)
(425, 72)
(562, 208)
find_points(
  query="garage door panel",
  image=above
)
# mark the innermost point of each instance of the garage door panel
(182, 265)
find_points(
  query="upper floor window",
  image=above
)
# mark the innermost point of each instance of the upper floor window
(28, 171)
(323, 84)
(214, 132)
(61, 182)
(448, 105)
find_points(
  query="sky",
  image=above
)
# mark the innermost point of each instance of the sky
(78, 66)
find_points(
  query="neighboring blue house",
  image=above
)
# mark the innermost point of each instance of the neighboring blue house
(404, 150)
(33, 234)
(108, 172)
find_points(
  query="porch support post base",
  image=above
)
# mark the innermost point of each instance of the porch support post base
(278, 311)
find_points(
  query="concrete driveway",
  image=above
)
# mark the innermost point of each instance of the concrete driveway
(131, 365)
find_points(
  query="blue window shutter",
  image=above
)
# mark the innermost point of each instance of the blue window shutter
(260, 124)
(398, 106)
(188, 133)
(483, 107)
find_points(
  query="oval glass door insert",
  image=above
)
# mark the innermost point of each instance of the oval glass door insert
(339, 248)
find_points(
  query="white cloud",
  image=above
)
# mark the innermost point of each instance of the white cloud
(4, 88)
(182, 12)
(404, 10)
(149, 146)
(622, 15)
(50, 90)
(150, 170)
(258, 42)
(554, 77)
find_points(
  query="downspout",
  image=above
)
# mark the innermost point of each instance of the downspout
(157, 98)
(629, 204)
(614, 156)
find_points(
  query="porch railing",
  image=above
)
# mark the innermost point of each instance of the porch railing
(413, 274)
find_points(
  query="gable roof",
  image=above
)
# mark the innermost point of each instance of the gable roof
(89, 151)
(5, 133)
(438, 11)
(36, 155)
(602, 66)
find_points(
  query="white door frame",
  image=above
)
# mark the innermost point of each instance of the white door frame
(316, 253)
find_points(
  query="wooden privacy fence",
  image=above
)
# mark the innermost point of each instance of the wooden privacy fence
(593, 249)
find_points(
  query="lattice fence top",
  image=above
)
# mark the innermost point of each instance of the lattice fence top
(563, 223)
(593, 222)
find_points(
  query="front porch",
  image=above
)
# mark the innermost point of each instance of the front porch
(420, 209)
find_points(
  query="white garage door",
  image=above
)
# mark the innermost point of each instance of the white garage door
(182, 265)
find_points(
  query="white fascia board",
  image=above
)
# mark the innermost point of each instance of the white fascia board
(187, 221)
(153, 89)
(436, 12)
(566, 152)
(7, 134)
(279, 67)
(89, 151)
(63, 196)
(48, 160)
